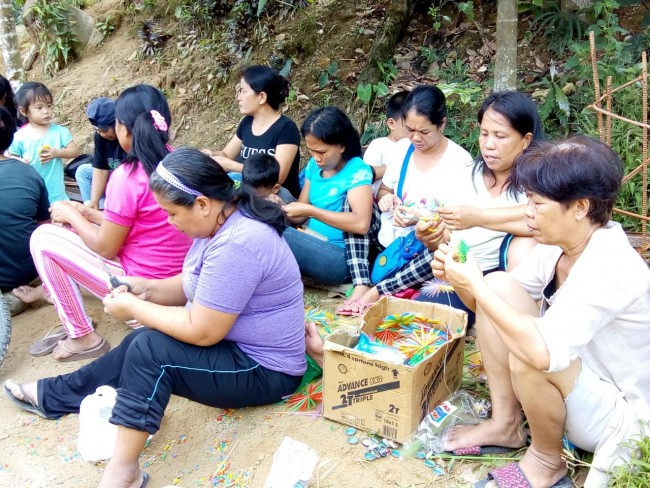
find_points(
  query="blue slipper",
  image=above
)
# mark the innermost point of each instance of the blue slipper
(145, 479)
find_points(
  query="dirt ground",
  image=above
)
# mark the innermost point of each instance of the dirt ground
(194, 441)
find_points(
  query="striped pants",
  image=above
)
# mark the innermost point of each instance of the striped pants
(65, 265)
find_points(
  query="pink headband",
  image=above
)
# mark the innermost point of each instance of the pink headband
(158, 121)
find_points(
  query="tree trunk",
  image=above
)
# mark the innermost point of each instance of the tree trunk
(505, 68)
(9, 41)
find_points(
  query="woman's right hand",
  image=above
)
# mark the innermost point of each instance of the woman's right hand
(388, 202)
(460, 218)
(438, 263)
(430, 233)
(298, 210)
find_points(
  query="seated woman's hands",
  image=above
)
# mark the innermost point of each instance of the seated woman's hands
(63, 211)
(459, 218)
(431, 233)
(119, 302)
(298, 212)
(388, 202)
(404, 216)
(445, 266)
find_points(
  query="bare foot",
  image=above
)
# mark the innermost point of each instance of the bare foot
(31, 394)
(122, 477)
(314, 343)
(488, 433)
(30, 294)
(351, 303)
(368, 298)
(75, 346)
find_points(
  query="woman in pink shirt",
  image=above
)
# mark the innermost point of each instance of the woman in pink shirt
(130, 237)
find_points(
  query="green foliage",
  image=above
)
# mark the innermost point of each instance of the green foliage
(56, 39)
(370, 93)
(559, 28)
(467, 8)
(105, 26)
(463, 101)
(636, 472)
(437, 17)
(330, 76)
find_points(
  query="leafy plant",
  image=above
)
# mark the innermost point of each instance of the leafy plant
(559, 27)
(636, 472)
(438, 18)
(55, 36)
(151, 40)
(105, 26)
(463, 100)
(330, 76)
(467, 9)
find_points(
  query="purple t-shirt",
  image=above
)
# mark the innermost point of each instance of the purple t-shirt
(249, 270)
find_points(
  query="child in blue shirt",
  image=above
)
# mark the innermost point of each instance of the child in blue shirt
(40, 143)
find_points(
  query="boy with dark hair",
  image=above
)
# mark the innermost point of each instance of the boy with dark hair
(262, 173)
(92, 179)
(378, 151)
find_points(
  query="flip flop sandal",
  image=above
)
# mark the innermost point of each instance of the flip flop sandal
(49, 341)
(482, 451)
(145, 479)
(22, 404)
(511, 475)
(94, 352)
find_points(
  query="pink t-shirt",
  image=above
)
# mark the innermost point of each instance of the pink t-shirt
(153, 248)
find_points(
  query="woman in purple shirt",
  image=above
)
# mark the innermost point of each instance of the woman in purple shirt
(209, 337)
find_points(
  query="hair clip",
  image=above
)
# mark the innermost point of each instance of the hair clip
(158, 121)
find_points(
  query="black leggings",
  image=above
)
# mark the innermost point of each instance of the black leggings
(148, 366)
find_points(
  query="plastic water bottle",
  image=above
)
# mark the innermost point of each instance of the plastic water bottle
(96, 435)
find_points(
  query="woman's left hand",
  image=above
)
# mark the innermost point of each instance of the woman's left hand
(431, 233)
(404, 216)
(296, 210)
(62, 212)
(462, 275)
(119, 304)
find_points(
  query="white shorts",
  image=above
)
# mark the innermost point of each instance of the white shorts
(590, 406)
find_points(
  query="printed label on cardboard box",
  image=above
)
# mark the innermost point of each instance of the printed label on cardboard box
(362, 390)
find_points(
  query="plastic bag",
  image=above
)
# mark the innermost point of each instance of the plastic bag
(293, 465)
(96, 435)
(379, 351)
(460, 409)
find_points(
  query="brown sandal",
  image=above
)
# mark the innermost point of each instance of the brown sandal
(94, 352)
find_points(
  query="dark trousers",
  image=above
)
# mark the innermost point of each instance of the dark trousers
(148, 366)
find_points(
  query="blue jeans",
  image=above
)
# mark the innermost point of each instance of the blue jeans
(84, 177)
(317, 259)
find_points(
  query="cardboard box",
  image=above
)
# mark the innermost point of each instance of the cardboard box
(387, 398)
